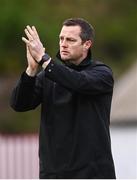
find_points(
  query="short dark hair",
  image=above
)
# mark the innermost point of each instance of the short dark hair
(87, 30)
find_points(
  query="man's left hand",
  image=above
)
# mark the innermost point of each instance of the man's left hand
(33, 42)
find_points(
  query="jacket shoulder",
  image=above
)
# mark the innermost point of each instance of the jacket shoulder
(100, 65)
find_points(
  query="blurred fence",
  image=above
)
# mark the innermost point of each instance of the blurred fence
(19, 157)
(19, 154)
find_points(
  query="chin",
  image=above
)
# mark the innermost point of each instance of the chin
(64, 58)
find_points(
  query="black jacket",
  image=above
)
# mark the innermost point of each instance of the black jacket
(74, 139)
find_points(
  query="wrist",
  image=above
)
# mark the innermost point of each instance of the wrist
(45, 64)
(38, 59)
(44, 59)
(31, 72)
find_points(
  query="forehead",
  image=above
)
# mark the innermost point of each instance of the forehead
(70, 31)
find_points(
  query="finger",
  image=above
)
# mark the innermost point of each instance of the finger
(29, 29)
(25, 40)
(27, 47)
(28, 51)
(35, 31)
(32, 32)
(28, 34)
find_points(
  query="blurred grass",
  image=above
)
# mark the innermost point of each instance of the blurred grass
(115, 24)
(15, 122)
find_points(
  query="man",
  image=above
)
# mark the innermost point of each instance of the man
(75, 97)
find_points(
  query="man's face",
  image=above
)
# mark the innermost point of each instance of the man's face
(71, 46)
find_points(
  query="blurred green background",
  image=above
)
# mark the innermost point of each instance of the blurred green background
(115, 24)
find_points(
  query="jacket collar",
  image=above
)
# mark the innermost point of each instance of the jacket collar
(86, 62)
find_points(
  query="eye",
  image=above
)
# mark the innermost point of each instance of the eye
(61, 38)
(71, 39)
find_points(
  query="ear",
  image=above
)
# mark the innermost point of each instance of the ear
(88, 44)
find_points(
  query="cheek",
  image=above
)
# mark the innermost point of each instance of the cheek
(77, 49)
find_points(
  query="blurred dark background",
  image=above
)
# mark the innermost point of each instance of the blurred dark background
(115, 24)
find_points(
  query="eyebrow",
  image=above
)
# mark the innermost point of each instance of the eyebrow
(68, 37)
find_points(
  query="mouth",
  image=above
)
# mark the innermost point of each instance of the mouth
(64, 52)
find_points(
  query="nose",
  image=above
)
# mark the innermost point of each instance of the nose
(63, 43)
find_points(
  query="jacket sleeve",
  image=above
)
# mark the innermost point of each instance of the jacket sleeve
(95, 80)
(27, 93)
